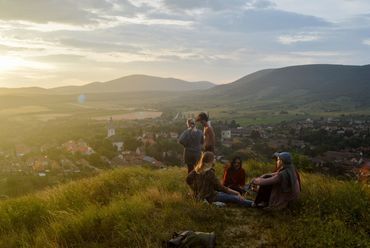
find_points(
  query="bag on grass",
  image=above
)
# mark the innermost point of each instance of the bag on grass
(190, 239)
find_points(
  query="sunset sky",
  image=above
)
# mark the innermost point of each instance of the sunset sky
(51, 43)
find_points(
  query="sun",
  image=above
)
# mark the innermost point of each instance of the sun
(9, 63)
(12, 63)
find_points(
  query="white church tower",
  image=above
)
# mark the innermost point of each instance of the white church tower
(111, 129)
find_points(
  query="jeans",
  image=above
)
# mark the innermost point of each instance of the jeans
(228, 198)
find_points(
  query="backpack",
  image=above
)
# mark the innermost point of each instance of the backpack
(190, 239)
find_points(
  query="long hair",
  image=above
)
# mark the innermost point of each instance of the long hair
(190, 123)
(204, 162)
(231, 165)
(233, 161)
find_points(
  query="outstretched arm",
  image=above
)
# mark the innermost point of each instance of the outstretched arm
(267, 181)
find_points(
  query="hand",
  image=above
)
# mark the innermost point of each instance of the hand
(234, 192)
(240, 197)
(257, 181)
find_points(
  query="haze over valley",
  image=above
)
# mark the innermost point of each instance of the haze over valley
(117, 115)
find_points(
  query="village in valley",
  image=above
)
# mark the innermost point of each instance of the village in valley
(337, 146)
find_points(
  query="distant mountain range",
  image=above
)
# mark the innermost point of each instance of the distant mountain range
(319, 86)
(317, 81)
(135, 83)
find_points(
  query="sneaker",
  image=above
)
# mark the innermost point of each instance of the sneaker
(219, 204)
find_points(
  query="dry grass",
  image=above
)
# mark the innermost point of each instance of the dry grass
(138, 207)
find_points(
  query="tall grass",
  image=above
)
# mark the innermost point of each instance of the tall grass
(134, 207)
(138, 207)
(330, 213)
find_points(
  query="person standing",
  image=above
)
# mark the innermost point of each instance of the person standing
(192, 139)
(209, 134)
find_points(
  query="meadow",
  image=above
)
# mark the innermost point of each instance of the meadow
(142, 207)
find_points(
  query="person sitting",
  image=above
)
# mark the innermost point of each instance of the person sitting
(285, 183)
(264, 191)
(234, 175)
(275, 157)
(206, 186)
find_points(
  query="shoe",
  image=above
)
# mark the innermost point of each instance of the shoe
(219, 204)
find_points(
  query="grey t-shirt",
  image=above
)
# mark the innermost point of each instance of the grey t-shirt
(192, 140)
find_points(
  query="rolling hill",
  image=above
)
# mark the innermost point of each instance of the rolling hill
(134, 90)
(23, 91)
(307, 81)
(304, 88)
(313, 88)
(135, 83)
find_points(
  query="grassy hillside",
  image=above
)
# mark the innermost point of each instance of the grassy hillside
(303, 81)
(316, 88)
(139, 207)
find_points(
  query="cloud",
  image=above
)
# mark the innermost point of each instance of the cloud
(275, 60)
(24, 45)
(262, 20)
(262, 4)
(332, 10)
(290, 39)
(58, 58)
(216, 5)
(215, 40)
(366, 42)
(320, 53)
(12, 63)
(103, 46)
(206, 4)
(80, 12)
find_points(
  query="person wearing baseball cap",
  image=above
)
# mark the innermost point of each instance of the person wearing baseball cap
(285, 182)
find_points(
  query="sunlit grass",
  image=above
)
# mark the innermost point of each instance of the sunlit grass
(139, 207)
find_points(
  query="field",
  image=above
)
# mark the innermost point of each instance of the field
(131, 116)
(123, 106)
(141, 207)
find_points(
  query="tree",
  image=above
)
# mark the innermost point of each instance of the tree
(131, 143)
(233, 124)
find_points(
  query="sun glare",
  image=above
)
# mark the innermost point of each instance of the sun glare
(9, 63)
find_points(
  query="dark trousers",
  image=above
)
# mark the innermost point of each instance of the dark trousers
(191, 158)
(263, 195)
